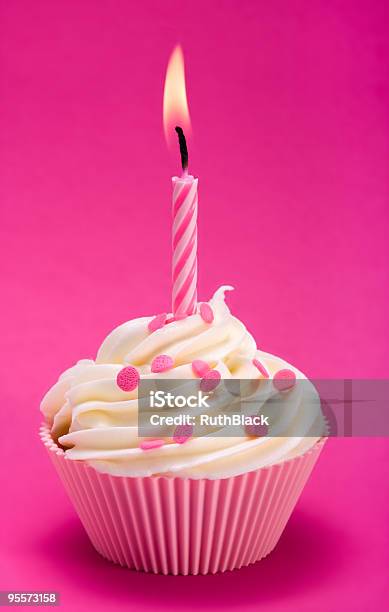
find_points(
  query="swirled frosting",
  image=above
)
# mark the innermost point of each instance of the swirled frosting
(96, 421)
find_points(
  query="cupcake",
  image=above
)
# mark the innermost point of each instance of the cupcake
(193, 499)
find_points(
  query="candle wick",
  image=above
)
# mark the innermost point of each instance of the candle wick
(183, 148)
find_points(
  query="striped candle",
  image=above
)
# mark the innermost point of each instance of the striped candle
(184, 262)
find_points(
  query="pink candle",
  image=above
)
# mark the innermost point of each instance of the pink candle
(184, 231)
(184, 239)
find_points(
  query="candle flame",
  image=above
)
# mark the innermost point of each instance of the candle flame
(175, 104)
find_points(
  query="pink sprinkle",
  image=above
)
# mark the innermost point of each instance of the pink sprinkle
(182, 433)
(161, 363)
(170, 319)
(256, 430)
(261, 368)
(206, 312)
(200, 368)
(158, 322)
(147, 445)
(210, 381)
(128, 378)
(284, 380)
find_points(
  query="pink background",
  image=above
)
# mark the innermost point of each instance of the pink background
(289, 104)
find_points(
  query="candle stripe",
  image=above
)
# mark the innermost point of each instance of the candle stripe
(185, 297)
(185, 269)
(185, 195)
(186, 236)
(190, 201)
(193, 304)
(185, 225)
(187, 280)
(180, 197)
(184, 243)
(187, 276)
(183, 231)
(183, 258)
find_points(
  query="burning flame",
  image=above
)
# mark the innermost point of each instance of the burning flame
(175, 104)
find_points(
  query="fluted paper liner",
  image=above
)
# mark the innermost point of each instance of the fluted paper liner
(181, 525)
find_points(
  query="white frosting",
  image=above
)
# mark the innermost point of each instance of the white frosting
(97, 422)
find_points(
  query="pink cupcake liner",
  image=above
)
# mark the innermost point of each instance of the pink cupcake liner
(182, 525)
